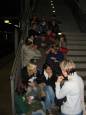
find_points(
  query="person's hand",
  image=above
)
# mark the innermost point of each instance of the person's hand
(60, 79)
(42, 85)
(53, 58)
(30, 98)
(32, 84)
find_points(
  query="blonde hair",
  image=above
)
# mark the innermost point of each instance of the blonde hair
(31, 68)
(67, 64)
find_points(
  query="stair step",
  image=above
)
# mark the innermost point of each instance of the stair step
(76, 47)
(81, 65)
(80, 62)
(76, 38)
(76, 42)
(74, 34)
(81, 59)
(77, 53)
(82, 73)
(76, 56)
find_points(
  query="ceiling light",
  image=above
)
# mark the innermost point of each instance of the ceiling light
(53, 7)
(51, 1)
(59, 33)
(54, 11)
(51, 4)
(6, 21)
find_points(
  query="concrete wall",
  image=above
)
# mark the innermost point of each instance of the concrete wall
(82, 4)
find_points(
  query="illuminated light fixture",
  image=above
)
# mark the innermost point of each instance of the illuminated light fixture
(59, 33)
(6, 21)
(51, 4)
(53, 7)
(51, 1)
(54, 11)
(16, 25)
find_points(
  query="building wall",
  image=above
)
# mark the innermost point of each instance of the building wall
(82, 4)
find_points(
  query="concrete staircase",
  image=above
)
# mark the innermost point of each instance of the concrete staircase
(76, 42)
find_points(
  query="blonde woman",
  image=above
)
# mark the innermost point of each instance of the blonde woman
(73, 89)
(28, 73)
(32, 90)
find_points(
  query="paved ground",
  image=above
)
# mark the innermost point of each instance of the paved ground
(5, 98)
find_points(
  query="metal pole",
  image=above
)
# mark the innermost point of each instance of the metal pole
(16, 40)
(12, 96)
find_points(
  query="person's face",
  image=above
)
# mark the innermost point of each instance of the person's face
(43, 38)
(44, 23)
(33, 71)
(53, 23)
(64, 72)
(34, 27)
(53, 50)
(48, 70)
(62, 38)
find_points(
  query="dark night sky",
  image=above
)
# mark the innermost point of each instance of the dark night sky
(9, 7)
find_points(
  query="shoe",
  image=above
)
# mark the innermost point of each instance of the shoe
(43, 98)
(49, 112)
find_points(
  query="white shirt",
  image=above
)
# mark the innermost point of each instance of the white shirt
(27, 53)
(46, 75)
(73, 89)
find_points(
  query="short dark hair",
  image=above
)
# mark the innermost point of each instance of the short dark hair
(36, 42)
(46, 65)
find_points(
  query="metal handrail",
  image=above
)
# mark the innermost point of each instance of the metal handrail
(15, 73)
(17, 61)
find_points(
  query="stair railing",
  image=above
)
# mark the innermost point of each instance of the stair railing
(16, 69)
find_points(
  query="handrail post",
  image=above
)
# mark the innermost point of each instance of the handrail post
(12, 96)
(16, 39)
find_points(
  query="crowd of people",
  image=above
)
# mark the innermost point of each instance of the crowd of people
(49, 81)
